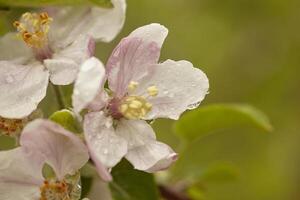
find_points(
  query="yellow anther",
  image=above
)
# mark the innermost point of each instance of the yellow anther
(152, 90)
(123, 108)
(135, 104)
(135, 107)
(34, 28)
(132, 85)
(54, 190)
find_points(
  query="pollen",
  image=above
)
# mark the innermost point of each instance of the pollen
(135, 107)
(11, 127)
(54, 190)
(132, 85)
(33, 28)
(152, 91)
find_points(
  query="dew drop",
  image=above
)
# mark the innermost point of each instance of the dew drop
(105, 151)
(194, 105)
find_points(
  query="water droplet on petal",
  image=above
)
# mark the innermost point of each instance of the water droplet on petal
(194, 105)
(105, 151)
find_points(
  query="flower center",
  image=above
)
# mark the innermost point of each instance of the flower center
(137, 107)
(11, 127)
(34, 28)
(55, 190)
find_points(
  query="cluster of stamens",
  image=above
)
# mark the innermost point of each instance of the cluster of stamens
(54, 190)
(137, 107)
(34, 28)
(11, 127)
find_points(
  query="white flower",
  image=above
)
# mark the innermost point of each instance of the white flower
(42, 141)
(52, 47)
(140, 89)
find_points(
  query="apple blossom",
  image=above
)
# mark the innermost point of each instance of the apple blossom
(53, 47)
(42, 142)
(140, 89)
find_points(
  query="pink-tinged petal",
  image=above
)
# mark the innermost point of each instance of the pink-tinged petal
(46, 141)
(89, 85)
(103, 24)
(65, 64)
(22, 87)
(130, 61)
(144, 152)
(20, 53)
(181, 87)
(105, 146)
(18, 179)
(151, 33)
(101, 169)
(133, 58)
(135, 132)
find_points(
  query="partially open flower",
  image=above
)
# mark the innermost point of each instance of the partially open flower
(140, 89)
(50, 46)
(42, 142)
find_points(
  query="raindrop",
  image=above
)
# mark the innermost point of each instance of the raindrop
(105, 151)
(194, 105)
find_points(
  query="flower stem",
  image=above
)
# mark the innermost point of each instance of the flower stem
(59, 96)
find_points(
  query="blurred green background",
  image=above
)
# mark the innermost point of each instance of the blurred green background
(250, 52)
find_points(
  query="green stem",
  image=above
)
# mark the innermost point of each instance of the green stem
(59, 96)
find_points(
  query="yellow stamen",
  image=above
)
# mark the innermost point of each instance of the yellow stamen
(135, 107)
(54, 190)
(132, 85)
(34, 28)
(152, 91)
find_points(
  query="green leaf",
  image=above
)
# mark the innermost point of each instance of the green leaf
(130, 184)
(41, 3)
(209, 119)
(86, 183)
(220, 172)
(196, 193)
(67, 120)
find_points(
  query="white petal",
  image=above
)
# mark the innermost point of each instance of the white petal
(65, 64)
(18, 180)
(105, 145)
(46, 141)
(89, 84)
(103, 24)
(20, 53)
(181, 87)
(134, 57)
(144, 152)
(135, 132)
(151, 33)
(22, 87)
(151, 157)
(62, 71)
